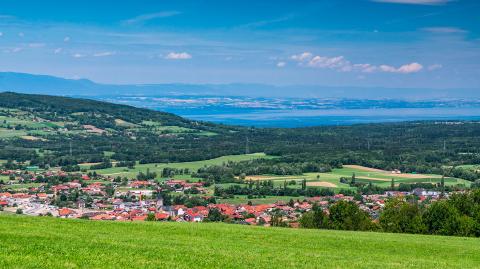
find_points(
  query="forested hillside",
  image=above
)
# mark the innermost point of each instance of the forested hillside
(69, 131)
(57, 131)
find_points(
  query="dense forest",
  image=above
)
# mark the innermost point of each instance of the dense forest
(135, 134)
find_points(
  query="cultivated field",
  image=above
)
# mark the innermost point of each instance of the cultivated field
(362, 174)
(243, 199)
(387, 173)
(158, 167)
(383, 178)
(43, 242)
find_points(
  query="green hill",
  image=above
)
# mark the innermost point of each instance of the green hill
(53, 124)
(55, 243)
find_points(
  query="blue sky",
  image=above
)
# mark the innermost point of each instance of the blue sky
(367, 43)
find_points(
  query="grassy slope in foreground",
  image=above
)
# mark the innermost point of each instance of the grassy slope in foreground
(43, 242)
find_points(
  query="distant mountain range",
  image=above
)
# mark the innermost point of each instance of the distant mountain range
(44, 84)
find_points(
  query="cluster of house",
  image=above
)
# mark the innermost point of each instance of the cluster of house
(120, 206)
(136, 201)
(182, 185)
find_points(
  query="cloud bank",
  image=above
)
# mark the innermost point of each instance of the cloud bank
(178, 56)
(340, 63)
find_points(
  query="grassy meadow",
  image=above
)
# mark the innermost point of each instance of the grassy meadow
(243, 199)
(381, 178)
(43, 242)
(158, 167)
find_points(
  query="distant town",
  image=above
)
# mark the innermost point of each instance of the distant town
(96, 197)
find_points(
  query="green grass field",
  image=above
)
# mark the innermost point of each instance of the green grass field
(378, 178)
(469, 166)
(24, 187)
(42, 242)
(243, 199)
(8, 133)
(193, 166)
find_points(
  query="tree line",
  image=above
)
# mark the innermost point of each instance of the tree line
(459, 215)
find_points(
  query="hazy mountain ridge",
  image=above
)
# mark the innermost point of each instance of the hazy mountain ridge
(44, 84)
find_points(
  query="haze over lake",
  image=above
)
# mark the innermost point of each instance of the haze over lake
(301, 118)
(301, 112)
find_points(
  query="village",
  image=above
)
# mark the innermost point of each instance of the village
(105, 198)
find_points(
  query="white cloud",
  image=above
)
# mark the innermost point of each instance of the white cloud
(302, 57)
(410, 68)
(14, 50)
(307, 59)
(414, 2)
(338, 62)
(387, 68)
(146, 17)
(341, 64)
(444, 30)
(1, 34)
(435, 67)
(78, 55)
(281, 64)
(366, 68)
(105, 53)
(36, 45)
(404, 69)
(66, 39)
(178, 56)
(57, 50)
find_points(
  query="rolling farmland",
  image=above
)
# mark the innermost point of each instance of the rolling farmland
(362, 174)
(192, 166)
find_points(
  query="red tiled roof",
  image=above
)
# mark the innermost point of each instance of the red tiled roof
(161, 216)
(21, 195)
(5, 194)
(139, 218)
(65, 212)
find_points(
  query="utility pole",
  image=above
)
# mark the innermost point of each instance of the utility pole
(247, 150)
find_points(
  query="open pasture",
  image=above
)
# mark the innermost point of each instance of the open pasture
(158, 167)
(43, 242)
(243, 199)
(362, 174)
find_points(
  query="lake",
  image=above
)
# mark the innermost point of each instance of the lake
(301, 118)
